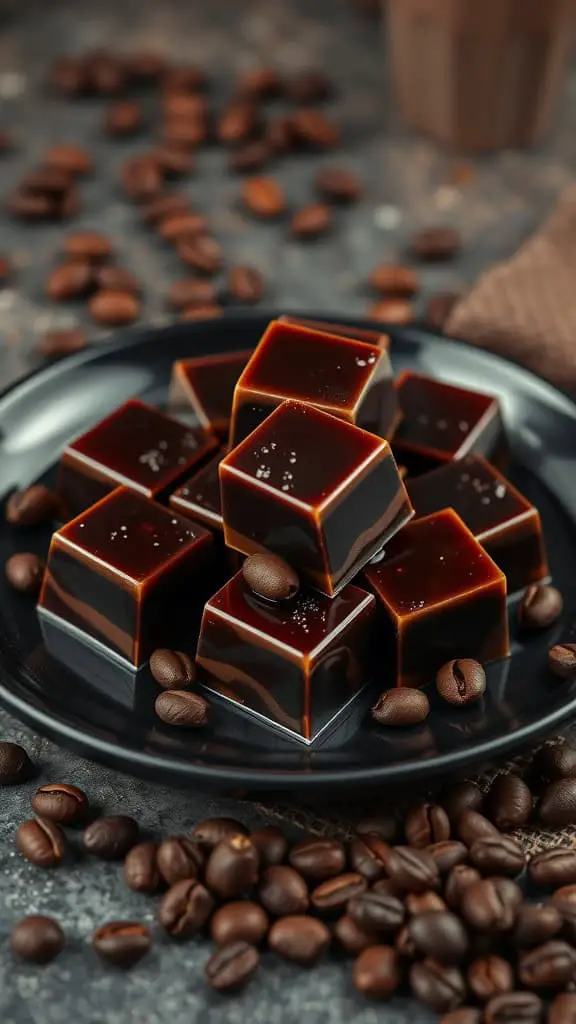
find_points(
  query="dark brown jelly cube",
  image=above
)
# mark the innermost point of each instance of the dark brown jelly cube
(199, 497)
(202, 389)
(129, 573)
(350, 379)
(500, 517)
(136, 446)
(441, 422)
(368, 335)
(320, 492)
(441, 597)
(296, 664)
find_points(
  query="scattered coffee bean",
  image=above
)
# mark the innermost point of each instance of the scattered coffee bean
(436, 244)
(394, 280)
(459, 878)
(553, 763)
(423, 902)
(183, 133)
(111, 837)
(299, 938)
(412, 870)
(491, 904)
(179, 857)
(70, 281)
(192, 291)
(122, 943)
(172, 669)
(426, 824)
(237, 123)
(548, 966)
(203, 253)
(461, 682)
(558, 804)
(183, 709)
(562, 1009)
(184, 106)
(232, 867)
(47, 180)
(438, 986)
(490, 976)
(378, 913)
(27, 206)
(88, 245)
(123, 118)
(514, 1008)
(231, 967)
(43, 843)
(141, 178)
(350, 937)
(31, 507)
(69, 158)
(447, 853)
(562, 660)
(536, 924)
(386, 827)
(472, 826)
(318, 859)
(241, 921)
(252, 156)
(283, 891)
(160, 207)
(201, 312)
(211, 831)
(271, 844)
(394, 311)
(335, 893)
(185, 909)
(181, 227)
(25, 571)
(116, 279)
(245, 284)
(553, 867)
(338, 185)
(401, 706)
(509, 802)
(141, 872)
(438, 309)
(264, 83)
(311, 221)
(500, 855)
(280, 134)
(113, 309)
(540, 607)
(439, 934)
(309, 87)
(15, 765)
(377, 972)
(61, 343)
(263, 197)
(365, 860)
(60, 802)
(38, 939)
(270, 577)
(314, 130)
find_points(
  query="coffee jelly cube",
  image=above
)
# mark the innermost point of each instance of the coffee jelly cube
(128, 573)
(368, 335)
(295, 664)
(441, 422)
(320, 492)
(136, 446)
(202, 389)
(441, 597)
(503, 521)
(347, 378)
(199, 497)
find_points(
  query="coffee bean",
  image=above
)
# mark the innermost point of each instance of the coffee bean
(47, 180)
(28, 206)
(299, 938)
(60, 802)
(392, 279)
(283, 891)
(540, 607)
(15, 765)
(88, 245)
(377, 972)
(459, 878)
(263, 83)
(43, 843)
(564, 901)
(335, 893)
(172, 669)
(122, 943)
(202, 253)
(553, 867)
(562, 1009)
(439, 308)
(311, 221)
(386, 827)
(426, 824)
(38, 939)
(553, 763)
(231, 967)
(377, 913)
(350, 937)
(70, 281)
(263, 197)
(548, 966)
(271, 844)
(404, 944)
(446, 854)
(270, 577)
(185, 909)
(491, 904)
(401, 706)
(123, 118)
(509, 802)
(31, 507)
(145, 66)
(184, 105)
(514, 1008)
(201, 312)
(558, 804)
(116, 279)
(423, 902)
(185, 133)
(245, 284)
(141, 872)
(436, 244)
(111, 837)
(252, 156)
(141, 178)
(461, 682)
(241, 921)
(562, 660)
(472, 826)
(61, 343)
(179, 857)
(498, 855)
(191, 291)
(173, 161)
(211, 831)
(157, 209)
(314, 130)
(437, 985)
(338, 185)
(113, 309)
(365, 860)
(536, 924)
(181, 227)
(183, 709)
(412, 870)
(439, 934)
(490, 976)
(69, 158)
(237, 123)
(25, 571)
(232, 867)
(318, 859)
(309, 87)
(106, 74)
(280, 134)
(463, 1015)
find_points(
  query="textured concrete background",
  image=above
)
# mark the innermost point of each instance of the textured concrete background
(408, 185)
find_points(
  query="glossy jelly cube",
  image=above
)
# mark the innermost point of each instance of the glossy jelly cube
(296, 664)
(349, 379)
(369, 335)
(500, 517)
(129, 573)
(136, 446)
(441, 422)
(199, 497)
(441, 597)
(320, 492)
(202, 389)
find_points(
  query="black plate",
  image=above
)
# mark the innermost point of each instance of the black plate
(40, 414)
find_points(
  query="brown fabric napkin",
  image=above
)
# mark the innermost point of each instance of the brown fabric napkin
(526, 308)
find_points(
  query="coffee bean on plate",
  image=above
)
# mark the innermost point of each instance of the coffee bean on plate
(283, 891)
(231, 967)
(311, 221)
(378, 913)
(172, 669)
(440, 934)
(114, 308)
(459, 797)
(318, 859)
(211, 831)
(490, 976)
(509, 802)
(271, 844)
(461, 681)
(350, 937)
(401, 706)
(141, 872)
(60, 802)
(314, 130)
(491, 904)
(182, 708)
(122, 943)
(61, 342)
(15, 765)
(548, 966)
(517, 1007)
(562, 660)
(111, 837)
(558, 804)
(263, 197)
(185, 909)
(472, 826)
(439, 986)
(88, 245)
(335, 893)
(70, 158)
(436, 244)
(24, 571)
(123, 118)
(438, 309)
(179, 857)
(500, 855)
(37, 938)
(70, 281)
(447, 853)
(32, 506)
(459, 878)
(553, 763)
(535, 924)
(240, 921)
(43, 843)
(553, 867)
(309, 87)
(245, 284)
(116, 279)
(426, 824)
(394, 280)
(562, 1009)
(270, 577)
(203, 253)
(422, 902)
(252, 156)
(412, 870)
(232, 867)
(377, 972)
(338, 185)
(540, 607)
(299, 938)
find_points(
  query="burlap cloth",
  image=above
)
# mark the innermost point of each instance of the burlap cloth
(524, 309)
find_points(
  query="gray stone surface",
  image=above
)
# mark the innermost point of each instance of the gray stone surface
(408, 184)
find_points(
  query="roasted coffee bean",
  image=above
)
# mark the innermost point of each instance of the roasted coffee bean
(299, 938)
(392, 279)
(491, 904)
(24, 571)
(60, 802)
(231, 967)
(50, 180)
(377, 913)
(536, 924)
(412, 870)
(309, 87)
(270, 577)
(203, 253)
(111, 837)
(280, 134)
(201, 312)
(540, 607)
(28, 206)
(261, 82)
(401, 706)
(338, 185)
(553, 763)
(106, 74)
(447, 853)
(31, 507)
(88, 245)
(509, 802)
(141, 178)
(548, 966)
(192, 291)
(490, 976)
(459, 878)
(562, 1009)
(562, 660)
(183, 709)
(113, 309)
(240, 921)
(318, 859)
(141, 872)
(37, 938)
(252, 156)
(245, 284)
(439, 934)
(335, 893)
(436, 244)
(179, 857)
(426, 824)
(15, 765)
(184, 105)
(565, 892)
(173, 160)
(271, 844)
(514, 1008)
(472, 826)
(237, 123)
(314, 130)
(211, 831)
(553, 867)
(564, 901)
(181, 227)
(116, 279)
(423, 902)
(43, 843)
(69, 158)
(439, 307)
(463, 1015)
(437, 985)
(283, 891)
(386, 827)
(122, 943)
(163, 206)
(404, 944)
(377, 972)
(185, 909)
(61, 343)
(232, 867)
(498, 855)
(311, 221)
(263, 197)
(184, 133)
(123, 118)
(365, 860)
(70, 281)
(558, 804)
(462, 681)
(172, 669)
(351, 937)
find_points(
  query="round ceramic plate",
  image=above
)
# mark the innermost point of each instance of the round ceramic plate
(523, 703)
